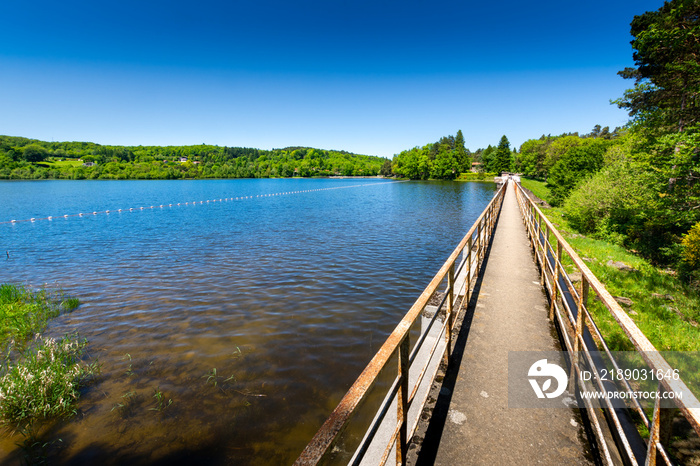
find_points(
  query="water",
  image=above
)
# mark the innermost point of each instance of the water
(253, 315)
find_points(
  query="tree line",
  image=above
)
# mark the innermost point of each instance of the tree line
(22, 158)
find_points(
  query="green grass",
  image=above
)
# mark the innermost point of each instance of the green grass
(665, 309)
(476, 176)
(538, 188)
(24, 313)
(63, 163)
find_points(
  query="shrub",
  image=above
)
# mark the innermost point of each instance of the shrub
(614, 204)
(691, 247)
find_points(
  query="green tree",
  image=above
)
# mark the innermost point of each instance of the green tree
(386, 168)
(577, 164)
(532, 157)
(34, 153)
(503, 157)
(464, 161)
(667, 75)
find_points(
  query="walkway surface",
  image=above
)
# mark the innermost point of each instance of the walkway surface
(472, 423)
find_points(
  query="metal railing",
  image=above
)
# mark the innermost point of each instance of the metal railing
(461, 267)
(618, 436)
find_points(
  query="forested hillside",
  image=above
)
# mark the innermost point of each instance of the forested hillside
(22, 158)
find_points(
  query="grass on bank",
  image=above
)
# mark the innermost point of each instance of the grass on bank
(666, 310)
(471, 176)
(39, 377)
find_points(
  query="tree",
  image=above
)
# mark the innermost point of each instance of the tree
(463, 159)
(34, 153)
(577, 164)
(667, 74)
(386, 168)
(532, 157)
(503, 158)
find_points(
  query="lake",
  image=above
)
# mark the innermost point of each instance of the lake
(253, 304)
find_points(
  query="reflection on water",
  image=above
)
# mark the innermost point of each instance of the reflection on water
(254, 316)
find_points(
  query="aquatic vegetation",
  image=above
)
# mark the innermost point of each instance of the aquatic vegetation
(161, 404)
(125, 407)
(24, 313)
(43, 381)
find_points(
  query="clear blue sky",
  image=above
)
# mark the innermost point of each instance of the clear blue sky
(373, 77)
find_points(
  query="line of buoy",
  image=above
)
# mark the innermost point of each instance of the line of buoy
(239, 198)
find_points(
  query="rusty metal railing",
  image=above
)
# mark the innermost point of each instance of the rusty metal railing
(617, 434)
(461, 267)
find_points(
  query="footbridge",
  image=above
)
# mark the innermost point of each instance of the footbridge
(453, 384)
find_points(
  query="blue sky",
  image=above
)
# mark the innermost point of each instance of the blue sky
(372, 77)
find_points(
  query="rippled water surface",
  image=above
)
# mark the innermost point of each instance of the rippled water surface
(253, 315)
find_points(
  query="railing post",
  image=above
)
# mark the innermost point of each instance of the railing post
(450, 310)
(540, 244)
(580, 322)
(467, 291)
(654, 429)
(578, 331)
(402, 403)
(555, 281)
(480, 238)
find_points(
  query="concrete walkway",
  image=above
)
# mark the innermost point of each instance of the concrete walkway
(471, 422)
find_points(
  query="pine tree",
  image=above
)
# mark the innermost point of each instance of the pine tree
(503, 159)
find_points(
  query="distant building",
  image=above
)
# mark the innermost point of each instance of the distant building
(89, 164)
(476, 167)
(183, 159)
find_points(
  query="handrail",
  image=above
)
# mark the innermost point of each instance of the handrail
(476, 239)
(581, 335)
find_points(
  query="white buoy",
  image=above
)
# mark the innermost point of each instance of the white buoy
(13, 221)
(49, 218)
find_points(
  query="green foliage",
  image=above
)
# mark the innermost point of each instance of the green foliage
(503, 158)
(48, 161)
(34, 153)
(578, 162)
(613, 204)
(691, 247)
(445, 160)
(532, 157)
(666, 95)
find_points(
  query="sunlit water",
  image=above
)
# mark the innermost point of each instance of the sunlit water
(254, 316)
